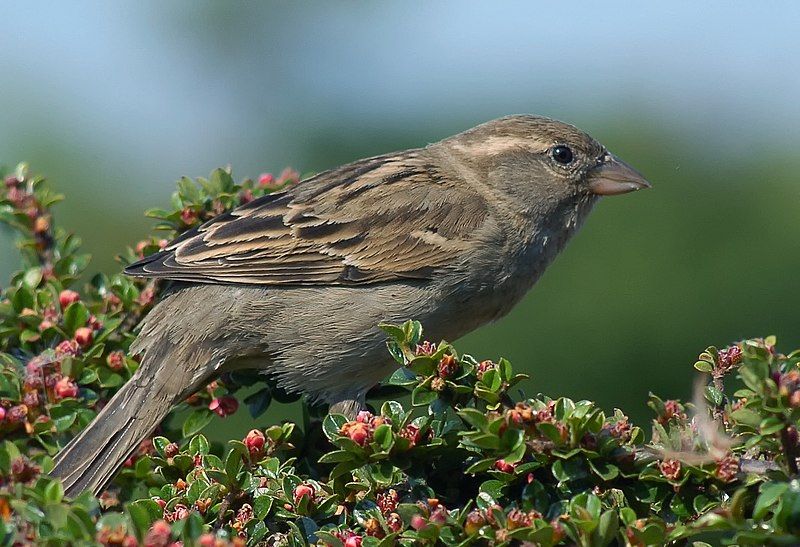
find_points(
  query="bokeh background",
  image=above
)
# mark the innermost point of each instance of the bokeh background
(115, 101)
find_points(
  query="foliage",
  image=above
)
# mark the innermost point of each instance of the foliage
(466, 460)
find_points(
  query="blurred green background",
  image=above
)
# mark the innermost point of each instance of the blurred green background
(114, 102)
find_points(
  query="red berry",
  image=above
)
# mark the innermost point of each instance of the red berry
(504, 466)
(158, 535)
(65, 387)
(2, 413)
(303, 490)
(255, 442)
(418, 522)
(67, 297)
(266, 179)
(84, 336)
(188, 216)
(360, 434)
(116, 360)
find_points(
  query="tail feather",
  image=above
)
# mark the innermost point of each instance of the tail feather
(166, 377)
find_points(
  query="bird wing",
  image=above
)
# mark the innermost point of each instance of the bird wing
(384, 218)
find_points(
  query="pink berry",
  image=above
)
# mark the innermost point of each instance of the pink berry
(418, 522)
(84, 336)
(504, 466)
(303, 490)
(255, 442)
(67, 297)
(65, 387)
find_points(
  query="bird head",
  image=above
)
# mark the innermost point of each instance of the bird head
(535, 163)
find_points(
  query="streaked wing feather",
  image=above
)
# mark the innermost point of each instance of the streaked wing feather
(388, 217)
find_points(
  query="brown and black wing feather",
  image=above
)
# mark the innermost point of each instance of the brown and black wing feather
(384, 218)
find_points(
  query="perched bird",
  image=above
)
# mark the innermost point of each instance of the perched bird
(296, 282)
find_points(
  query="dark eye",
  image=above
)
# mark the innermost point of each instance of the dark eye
(562, 154)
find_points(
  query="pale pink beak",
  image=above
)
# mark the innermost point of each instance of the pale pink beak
(613, 176)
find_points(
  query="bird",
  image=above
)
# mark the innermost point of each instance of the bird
(295, 283)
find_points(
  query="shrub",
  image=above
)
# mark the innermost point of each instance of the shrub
(463, 461)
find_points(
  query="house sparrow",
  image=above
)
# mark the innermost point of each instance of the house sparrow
(296, 282)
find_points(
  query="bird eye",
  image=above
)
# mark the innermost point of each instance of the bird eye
(562, 154)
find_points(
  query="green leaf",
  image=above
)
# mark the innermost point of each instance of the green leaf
(192, 528)
(770, 425)
(143, 514)
(337, 456)
(475, 418)
(198, 445)
(604, 470)
(262, 506)
(160, 444)
(54, 492)
(422, 395)
(493, 488)
(402, 377)
(32, 277)
(196, 421)
(607, 528)
(704, 366)
(384, 437)
(394, 332)
(332, 424)
(769, 496)
(75, 316)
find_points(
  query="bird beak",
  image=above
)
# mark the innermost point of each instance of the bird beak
(612, 176)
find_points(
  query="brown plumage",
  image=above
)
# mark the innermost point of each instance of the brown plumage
(295, 283)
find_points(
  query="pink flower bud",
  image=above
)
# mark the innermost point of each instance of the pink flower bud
(266, 179)
(353, 541)
(303, 490)
(504, 466)
(65, 387)
(364, 417)
(418, 522)
(2, 413)
(158, 535)
(255, 442)
(358, 432)
(116, 360)
(67, 297)
(84, 336)
(188, 216)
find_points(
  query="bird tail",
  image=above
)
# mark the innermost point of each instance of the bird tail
(168, 374)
